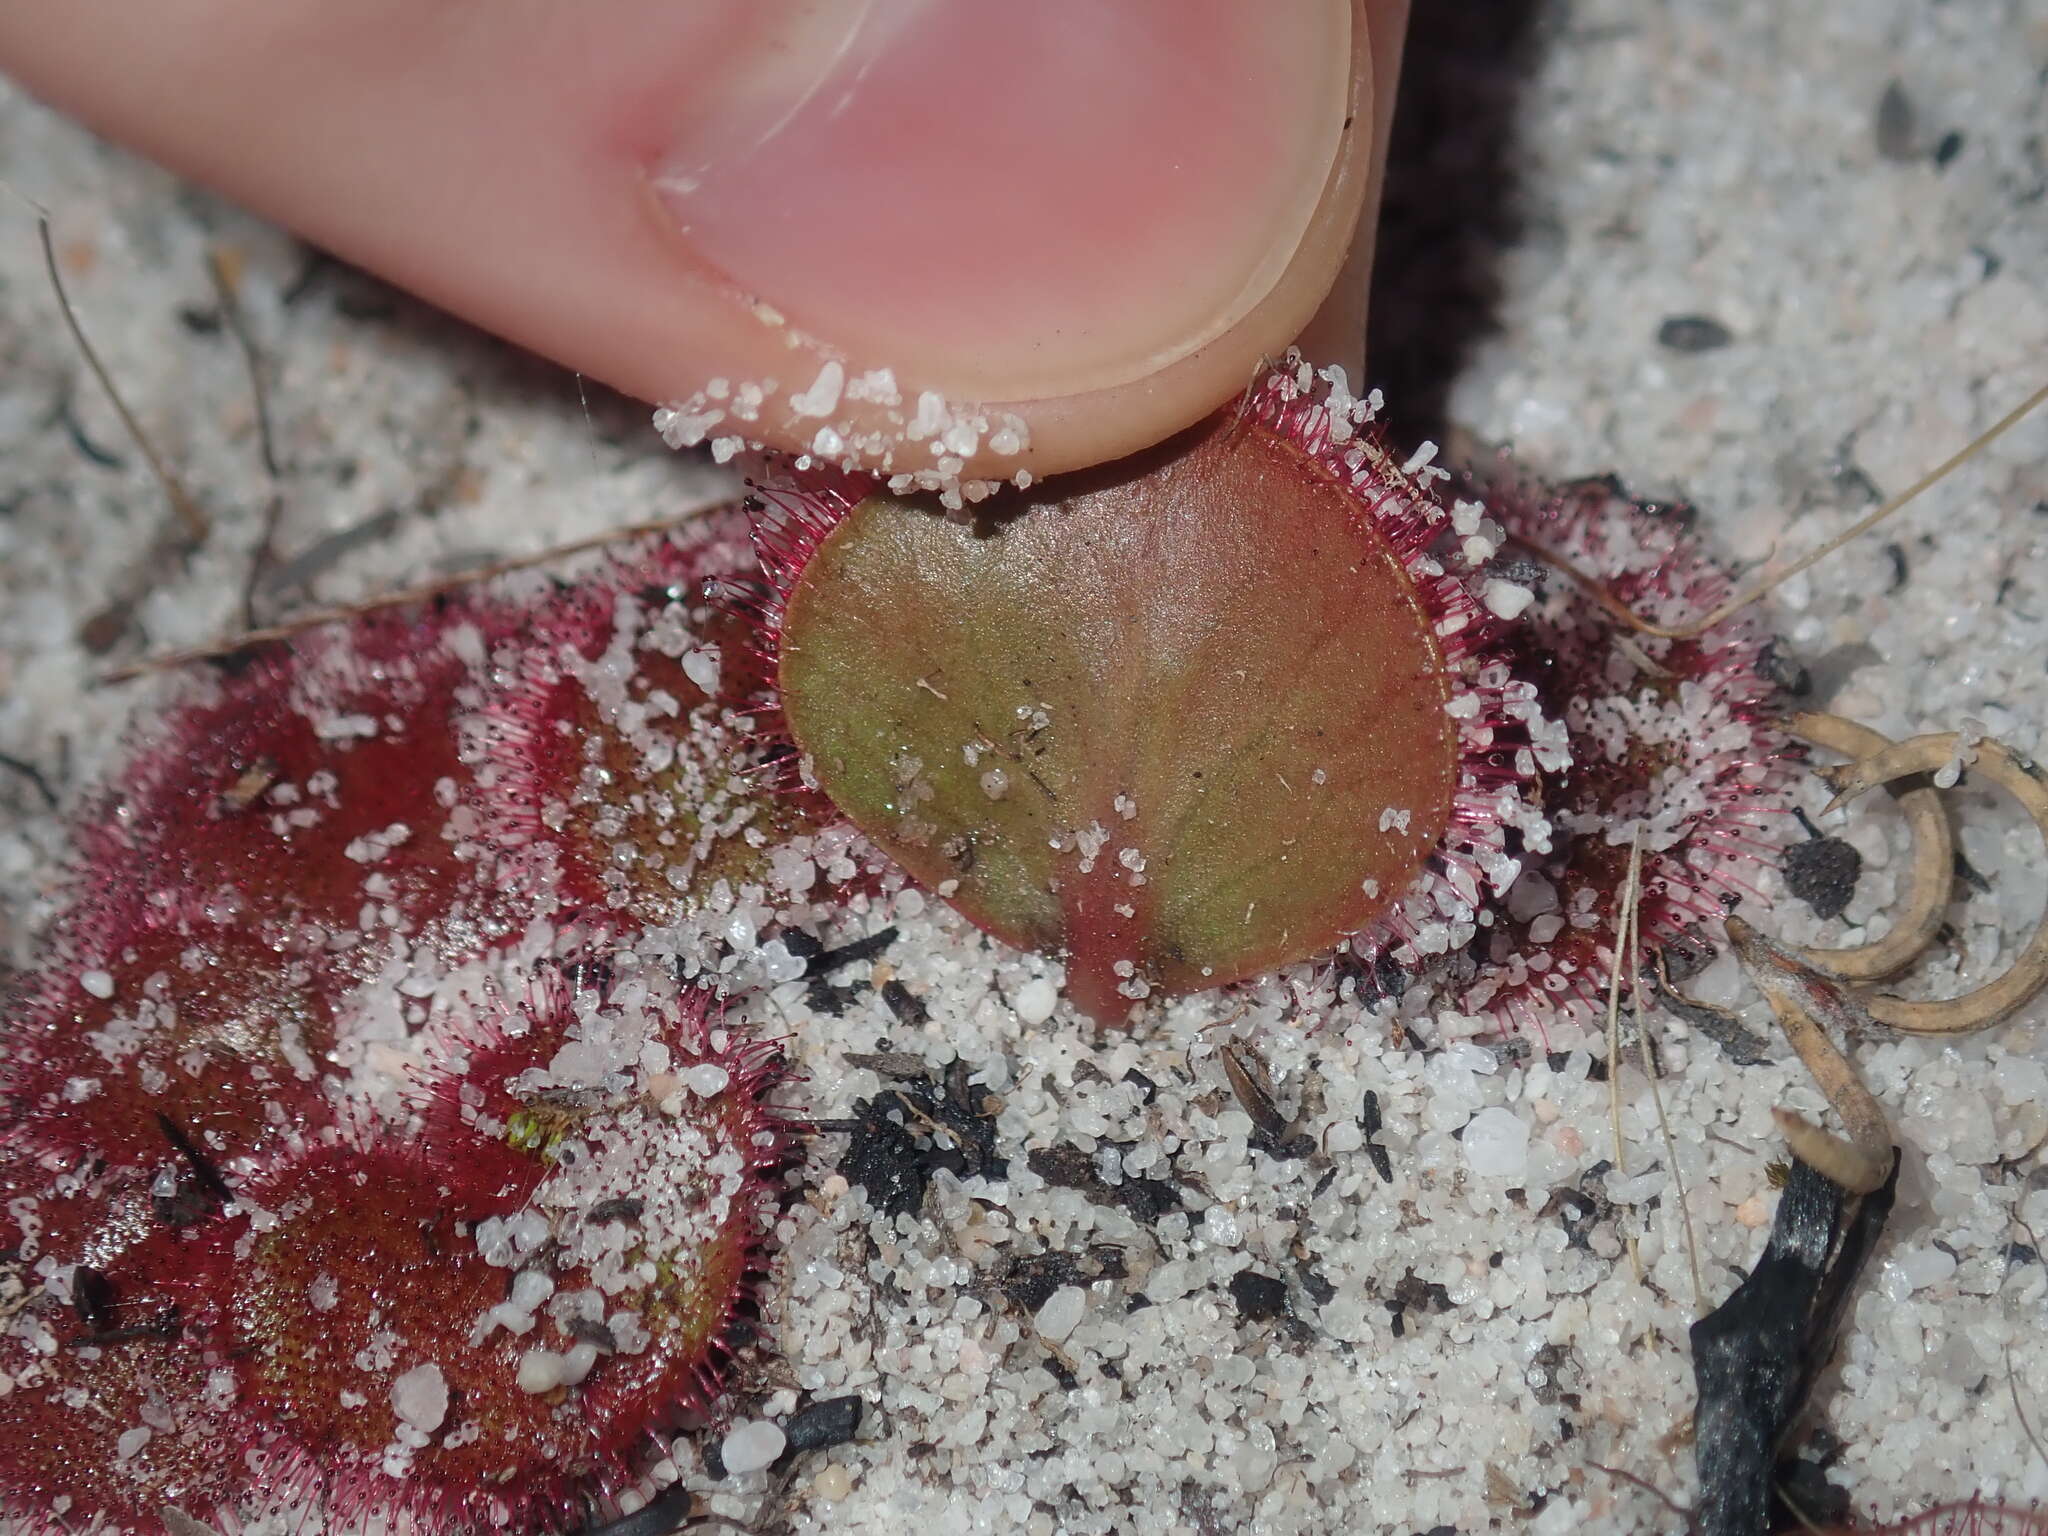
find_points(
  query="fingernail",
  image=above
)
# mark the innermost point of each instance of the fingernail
(1013, 202)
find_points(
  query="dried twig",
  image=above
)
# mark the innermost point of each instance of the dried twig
(1635, 972)
(33, 774)
(342, 613)
(2012, 1382)
(1757, 591)
(1797, 994)
(1651, 1489)
(183, 507)
(224, 267)
(262, 559)
(1624, 935)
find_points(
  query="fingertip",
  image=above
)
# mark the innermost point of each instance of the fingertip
(1078, 226)
(1080, 281)
(1336, 332)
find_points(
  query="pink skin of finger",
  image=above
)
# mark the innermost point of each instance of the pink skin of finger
(1097, 219)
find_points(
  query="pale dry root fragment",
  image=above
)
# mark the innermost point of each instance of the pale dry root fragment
(1930, 874)
(1807, 1005)
(2021, 779)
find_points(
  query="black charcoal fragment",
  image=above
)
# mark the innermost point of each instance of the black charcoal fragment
(1897, 124)
(899, 1138)
(1757, 1355)
(1370, 1122)
(1066, 1167)
(663, 1513)
(92, 1298)
(1029, 1282)
(202, 1168)
(1258, 1297)
(1784, 671)
(1693, 333)
(825, 961)
(1822, 872)
(823, 1424)
(905, 1004)
(1736, 1040)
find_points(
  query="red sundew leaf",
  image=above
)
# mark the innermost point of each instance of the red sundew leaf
(703, 1305)
(88, 1214)
(566, 1255)
(319, 781)
(205, 1024)
(642, 1114)
(219, 946)
(1182, 722)
(105, 1434)
(628, 745)
(64, 1463)
(265, 851)
(368, 1273)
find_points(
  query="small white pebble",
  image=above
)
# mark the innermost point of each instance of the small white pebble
(707, 1079)
(98, 983)
(577, 1363)
(702, 667)
(832, 1483)
(540, 1370)
(1496, 1144)
(1061, 1314)
(1036, 1000)
(750, 1445)
(822, 398)
(1925, 1265)
(420, 1397)
(778, 964)
(1506, 599)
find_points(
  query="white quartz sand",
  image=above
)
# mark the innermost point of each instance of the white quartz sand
(1449, 1358)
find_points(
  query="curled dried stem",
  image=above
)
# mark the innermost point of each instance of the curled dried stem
(1805, 1004)
(2021, 779)
(1930, 874)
